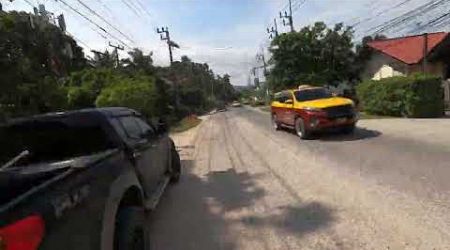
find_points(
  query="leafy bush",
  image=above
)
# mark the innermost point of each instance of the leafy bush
(140, 95)
(417, 95)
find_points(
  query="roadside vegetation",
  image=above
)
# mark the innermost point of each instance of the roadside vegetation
(186, 124)
(412, 96)
(44, 70)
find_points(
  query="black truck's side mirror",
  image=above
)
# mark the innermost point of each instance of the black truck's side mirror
(162, 127)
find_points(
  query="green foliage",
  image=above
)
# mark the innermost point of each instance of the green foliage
(413, 96)
(32, 60)
(198, 88)
(136, 94)
(43, 69)
(84, 86)
(314, 55)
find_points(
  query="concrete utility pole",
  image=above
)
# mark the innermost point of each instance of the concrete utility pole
(261, 58)
(171, 44)
(287, 17)
(273, 30)
(166, 37)
(116, 50)
(425, 53)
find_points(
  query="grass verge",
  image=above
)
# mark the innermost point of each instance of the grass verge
(185, 124)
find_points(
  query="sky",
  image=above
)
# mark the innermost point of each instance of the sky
(226, 34)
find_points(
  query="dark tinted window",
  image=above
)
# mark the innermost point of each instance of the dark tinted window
(131, 127)
(52, 139)
(287, 95)
(278, 97)
(312, 94)
(147, 129)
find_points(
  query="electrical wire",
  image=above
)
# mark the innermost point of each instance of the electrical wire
(131, 8)
(298, 6)
(406, 16)
(29, 3)
(78, 40)
(143, 8)
(380, 13)
(94, 23)
(106, 21)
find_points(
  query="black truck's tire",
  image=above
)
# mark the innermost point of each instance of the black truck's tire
(176, 166)
(131, 230)
(301, 130)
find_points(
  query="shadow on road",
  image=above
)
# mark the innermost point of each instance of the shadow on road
(191, 213)
(296, 220)
(358, 134)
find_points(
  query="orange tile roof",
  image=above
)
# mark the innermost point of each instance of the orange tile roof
(408, 49)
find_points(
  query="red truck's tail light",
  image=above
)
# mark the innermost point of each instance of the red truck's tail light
(25, 234)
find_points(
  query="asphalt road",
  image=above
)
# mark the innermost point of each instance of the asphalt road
(246, 186)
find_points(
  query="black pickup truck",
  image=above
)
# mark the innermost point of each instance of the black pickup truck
(82, 179)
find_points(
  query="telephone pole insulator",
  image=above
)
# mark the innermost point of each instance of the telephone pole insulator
(116, 51)
(287, 18)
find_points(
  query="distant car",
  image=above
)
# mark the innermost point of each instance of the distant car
(311, 109)
(236, 104)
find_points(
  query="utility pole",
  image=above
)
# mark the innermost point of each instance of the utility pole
(166, 37)
(171, 44)
(116, 50)
(273, 30)
(287, 17)
(261, 58)
(425, 53)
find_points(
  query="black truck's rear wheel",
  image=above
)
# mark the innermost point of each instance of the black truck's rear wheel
(131, 230)
(176, 166)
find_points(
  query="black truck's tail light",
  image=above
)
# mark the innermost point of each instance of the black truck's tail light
(25, 234)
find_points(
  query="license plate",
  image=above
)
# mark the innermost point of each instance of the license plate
(341, 120)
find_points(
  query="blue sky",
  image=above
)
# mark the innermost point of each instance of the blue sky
(223, 33)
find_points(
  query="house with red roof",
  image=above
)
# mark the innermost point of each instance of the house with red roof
(428, 53)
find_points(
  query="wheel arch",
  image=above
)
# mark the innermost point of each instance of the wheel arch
(124, 191)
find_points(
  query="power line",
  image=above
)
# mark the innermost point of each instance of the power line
(131, 8)
(78, 40)
(89, 26)
(29, 3)
(94, 23)
(299, 5)
(438, 20)
(143, 8)
(104, 20)
(406, 16)
(380, 13)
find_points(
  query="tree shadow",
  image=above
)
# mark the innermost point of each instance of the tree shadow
(191, 214)
(296, 220)
(232, 190)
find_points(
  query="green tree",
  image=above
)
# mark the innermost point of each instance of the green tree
(315, 55)
(364, 53)
(139, 94)
(34, 55)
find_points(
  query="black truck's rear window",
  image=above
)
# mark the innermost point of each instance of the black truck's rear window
(52, 139)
